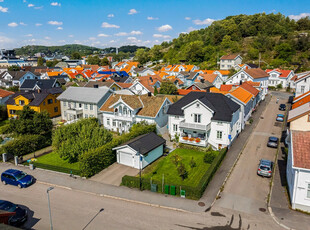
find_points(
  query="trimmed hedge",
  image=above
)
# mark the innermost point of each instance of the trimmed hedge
(191, 192)
(25, 144)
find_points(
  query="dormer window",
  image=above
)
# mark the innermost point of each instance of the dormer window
(21, 102)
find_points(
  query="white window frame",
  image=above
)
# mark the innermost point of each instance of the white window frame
(175, 127)
(91, 107)
(308, 191)
(219, 135)
(108, 121)
(197, 118)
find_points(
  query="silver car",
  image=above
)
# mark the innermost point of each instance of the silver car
(265, 168)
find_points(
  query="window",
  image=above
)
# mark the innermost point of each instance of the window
(91, 106)
(114, 123)
(194, 87)
(86, 115)
(74, 105)
(80, 105)
(49, 101)
(220, 123)
(12, 111)
(302, 89)
(85, 106)
(197, 118)
(55, 109)
(43, 102)
(175, 127)
(242, 76)
(219, 134)
(21, 102)
(65, 103)
(108, 121)
(197, 105)
(176, 117)
(308, 191)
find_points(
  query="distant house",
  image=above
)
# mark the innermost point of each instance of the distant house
(188, 78)
(140, 151)
(203, 119)
(4, 96)
(299, 118)
(279, 76)
(255, 92)
(202, 86)
(228, 62)
(213, 78)
(301, 99)
(15, 78)
(302, 83)
(41, 100)
(82, 102)
(143, 71)
(40, 84)
(298, 170)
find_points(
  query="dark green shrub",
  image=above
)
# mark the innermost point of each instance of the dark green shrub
(193, 163)
(209, 157)
(182, 171)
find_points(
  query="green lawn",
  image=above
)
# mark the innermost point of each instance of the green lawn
(166, 166)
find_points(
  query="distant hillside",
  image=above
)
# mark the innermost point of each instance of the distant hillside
(282, 42)
(72, 48)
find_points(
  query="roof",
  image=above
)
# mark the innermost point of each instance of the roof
(145, 143)
(301, 96)
(248, 87)
(226, 88)
(301, 146)
(242, 95)
(209, 77)
(187, 91)
(222, 106)
(283, 73)
(41, 83)
(256, 73)
(84, 94)
(229, 57)
(5, 93)
(252, 83)
(301, 101)
(92, 84)
(298, 112)
(203, 85)
(124, 85)
(252, 66)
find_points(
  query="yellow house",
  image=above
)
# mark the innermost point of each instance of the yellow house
(41, 100)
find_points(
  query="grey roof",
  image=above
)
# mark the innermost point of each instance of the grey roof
(17, 74)
(41, 83)
(141, 69)
(204, 85)
(145, 143)
(84, 94)
(92, 84)
(299, 111)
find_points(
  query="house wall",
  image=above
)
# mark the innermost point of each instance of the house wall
(4, 99)
(302, 86)
(152, 156)
(301, 123)
(290, 173)
(300, 199)
(138, 89)
(224, 127)
(189, 112)
(174, 120)
(229, 64)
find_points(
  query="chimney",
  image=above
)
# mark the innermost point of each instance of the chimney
(151, 79)
(149, 94)
(202, 80)
(39, 90)
(96, 86)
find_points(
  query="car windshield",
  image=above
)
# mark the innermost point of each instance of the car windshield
(7, 206)
(265, 168)
(20, 175)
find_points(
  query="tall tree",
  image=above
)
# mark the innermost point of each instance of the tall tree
(76, 56)
(40, 61)
(14, 68)
(167, 87)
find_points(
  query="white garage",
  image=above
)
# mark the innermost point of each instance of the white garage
(140, 151)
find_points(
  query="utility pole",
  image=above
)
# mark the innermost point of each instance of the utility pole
(49, 207)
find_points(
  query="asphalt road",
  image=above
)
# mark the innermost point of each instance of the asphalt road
(245, 191)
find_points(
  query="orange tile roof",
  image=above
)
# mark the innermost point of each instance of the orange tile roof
(208, 77)
(252, 83)
(53, 74)
(216, 90)
(284, 73)
(5, 93)
(302, 101)
(223, 72)
(301, 146)
(300, 96)
(187, 91)
(249, 88)
(124, 85)
(242, 95)
(226, 88)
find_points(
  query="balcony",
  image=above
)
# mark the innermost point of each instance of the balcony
(195, 126)
(121, 117)
(194, 141)
(74, 111)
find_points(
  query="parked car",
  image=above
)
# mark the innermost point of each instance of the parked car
(282, 107)
(280, 117)
(20, 216)
(17, 178)
(273, 142)
(265, 168)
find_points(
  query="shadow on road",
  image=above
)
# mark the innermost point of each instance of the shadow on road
(31, 221)
(101, 210)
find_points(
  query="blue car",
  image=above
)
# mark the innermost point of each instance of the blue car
(17, 178)
(280, 117)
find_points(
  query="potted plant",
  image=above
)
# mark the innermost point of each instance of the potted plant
(197, 140)
(185, 138)
(192, 139)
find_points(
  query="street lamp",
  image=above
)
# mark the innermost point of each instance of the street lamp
(49, 207)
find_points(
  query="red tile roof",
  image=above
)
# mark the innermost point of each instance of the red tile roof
(283, 73)
(226, 87)
(302, 101)
(187, 91)
(229, 57)
(249, 88)
(301, 146)
(5, 93)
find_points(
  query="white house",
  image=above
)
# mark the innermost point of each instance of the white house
(140, 151)
(214, 79)
(298, 170)
(299, 118)
(120, 112)
(228, 62)
(15, 78)
(143, 71)
(82, 102)
(201, 118)
(302, 83)
(254, 75)
(279, 76)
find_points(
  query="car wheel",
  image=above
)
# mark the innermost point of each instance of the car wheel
(19, 186)
(4, 182)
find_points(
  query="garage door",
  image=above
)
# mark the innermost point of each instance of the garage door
(126, 159)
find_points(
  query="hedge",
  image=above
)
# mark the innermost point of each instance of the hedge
(94, 160)
(25, 144)
(191, 192)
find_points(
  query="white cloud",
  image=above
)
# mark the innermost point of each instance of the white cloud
(108, 25)
(28, 35)
(164, 28)
(47, 38)
(59, 28)
(38, 24)
(299, 16)
(22, 24)
(187, 18)
(6, 40)
(1, 0)
(190, 29)
(110, 15)
(152, 18)
(121, 34)
(62, 41)
(132, 11)
(55, 4)
(207, 21)
(112, 41)
(132, 38)
(3, 9)
(136, 32)
(161, 36)
(103, 35)
(92, 38)
(70, 36)
(30, 5)
(12, 24)
(38, 7)
(55, 23)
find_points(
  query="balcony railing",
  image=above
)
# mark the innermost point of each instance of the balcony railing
(194, 141)
(122, 117)
(195, 126)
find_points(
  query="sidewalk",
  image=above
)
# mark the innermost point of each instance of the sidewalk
(216, 183)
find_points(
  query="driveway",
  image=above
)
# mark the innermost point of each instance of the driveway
(113, 174)
(244, 190)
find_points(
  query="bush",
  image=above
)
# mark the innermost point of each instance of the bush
(176, 159)
(25, 144)
(271, 87)
(182, 171)
(193, 163)
(279, 86)
(5, 129)
(209, 157)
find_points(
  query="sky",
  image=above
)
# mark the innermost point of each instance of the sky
(111, 23)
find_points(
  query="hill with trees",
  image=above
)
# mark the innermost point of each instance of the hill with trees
(281, 41)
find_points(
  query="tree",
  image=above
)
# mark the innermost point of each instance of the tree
(93, 60)
(182, 171)
(104, 62)
(40, 61)
(284, 51)
(76, 56)
(142, 56)
(51, 63)
(167, 87)
(14, 68)
(155, 91)
(3, 113)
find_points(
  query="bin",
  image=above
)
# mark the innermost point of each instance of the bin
(172, 190)
(182, 193)
(166, 189)
(31, 166)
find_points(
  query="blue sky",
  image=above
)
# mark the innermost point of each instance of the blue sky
(104, 23)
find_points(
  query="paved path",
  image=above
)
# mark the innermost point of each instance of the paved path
(215, 185)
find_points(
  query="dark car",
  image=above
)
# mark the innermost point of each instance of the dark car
(282, 107)
(265, 168)
(17, 178)
(273, 142)
(20, 214)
